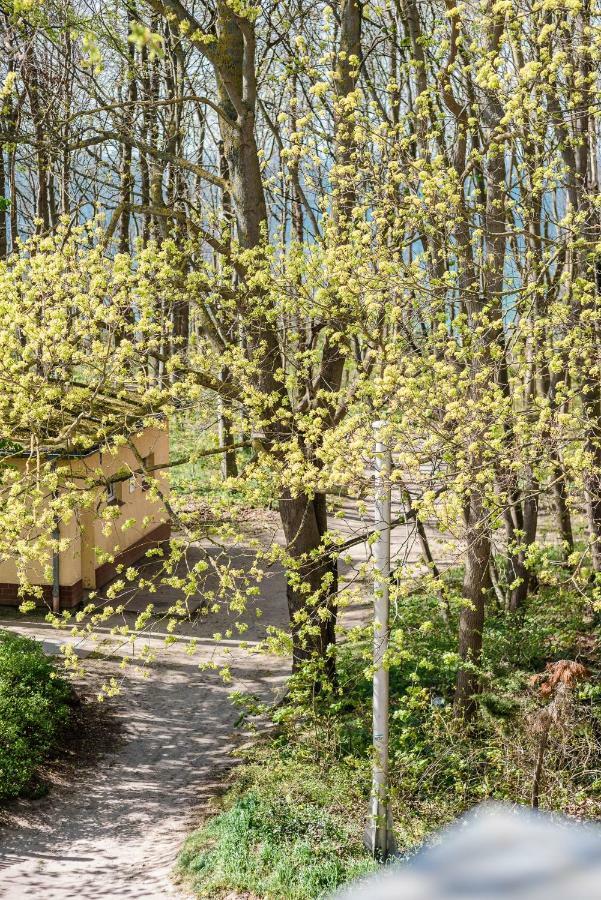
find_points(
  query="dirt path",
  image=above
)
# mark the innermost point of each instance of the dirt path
(115, 831)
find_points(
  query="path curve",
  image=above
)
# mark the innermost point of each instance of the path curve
(115, 831)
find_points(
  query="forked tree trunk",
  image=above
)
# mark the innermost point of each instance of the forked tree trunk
(518, 574)
(232, 55)
(312, 621)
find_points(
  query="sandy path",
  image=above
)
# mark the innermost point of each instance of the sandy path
(116, 830)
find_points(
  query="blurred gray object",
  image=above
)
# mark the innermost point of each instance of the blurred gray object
(496, 852)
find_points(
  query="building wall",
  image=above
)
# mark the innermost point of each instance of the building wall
(140, 515)
(82, 567)
(69, 563)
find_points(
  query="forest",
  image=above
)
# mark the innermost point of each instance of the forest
(234, 236)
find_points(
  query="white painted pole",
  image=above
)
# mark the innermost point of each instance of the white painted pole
(379, 835)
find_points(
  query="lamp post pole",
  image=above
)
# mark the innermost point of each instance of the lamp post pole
(379, 837)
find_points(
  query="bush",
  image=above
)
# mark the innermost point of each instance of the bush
(33, 710)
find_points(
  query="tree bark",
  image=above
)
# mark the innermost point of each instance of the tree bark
(518, 575)
(426, 552)
(562, 512)
(65, 175)
(347, 68)
(32, 81)
(312, 582)
(14, 211)
(3, 210)
(476, 585)
(229, 466)
(127, 180)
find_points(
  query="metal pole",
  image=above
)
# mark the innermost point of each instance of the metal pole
(379, 835)
(56, 578)
(56, 571)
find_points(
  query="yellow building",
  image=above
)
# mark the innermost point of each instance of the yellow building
(80, 567)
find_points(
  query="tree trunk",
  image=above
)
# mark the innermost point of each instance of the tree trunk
(304, 520)
(476, 584)
(32, 81)
(14, 213)
(562, 512)
(3, 210)
(145, 86)
(591, 397)
(427, 553)
(526, 514)
(331, 563)
(65, 174)
(312, 583)
(229, 466)
(593, 510)
(347, 70)
(232, 55)
(126, 177)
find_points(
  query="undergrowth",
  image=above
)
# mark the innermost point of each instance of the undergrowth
(282, 834)
(291, 824)
(34, 709)
(199, 479)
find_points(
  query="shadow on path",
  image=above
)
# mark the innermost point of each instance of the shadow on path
(115, 832)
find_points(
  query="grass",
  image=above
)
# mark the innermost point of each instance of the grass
(285, 832)
(291, 824)
(200, 480)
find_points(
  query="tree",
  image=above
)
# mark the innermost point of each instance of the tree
(346, 212)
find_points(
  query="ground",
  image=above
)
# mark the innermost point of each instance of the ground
(115, 830)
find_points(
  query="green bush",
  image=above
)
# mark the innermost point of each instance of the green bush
(33, 709)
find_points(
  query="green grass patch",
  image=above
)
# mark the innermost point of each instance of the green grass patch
(288, 830)
(33, 711)
(199, 480)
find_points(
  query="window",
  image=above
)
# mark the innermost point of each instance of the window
(114, 491)
(148, 464)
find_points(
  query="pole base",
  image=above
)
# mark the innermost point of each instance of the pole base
(378, 836)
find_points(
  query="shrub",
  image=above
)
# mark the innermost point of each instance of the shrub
(33, 709)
